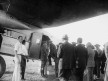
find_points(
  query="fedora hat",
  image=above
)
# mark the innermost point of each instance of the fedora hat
(65, 37)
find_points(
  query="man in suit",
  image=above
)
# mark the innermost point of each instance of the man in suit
(103, 61)
(44, 58)
(53, 54)
(50, 52)
(81, 58)
(67, 62)
(98, 61)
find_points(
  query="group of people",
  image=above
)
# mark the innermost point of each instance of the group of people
(20, 57)
(86, 62)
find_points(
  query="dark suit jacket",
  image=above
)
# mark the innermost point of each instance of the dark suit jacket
(53, 51)
(44, 53)
(81, 55)
(98, 57)
(68, 56)
(103, 57)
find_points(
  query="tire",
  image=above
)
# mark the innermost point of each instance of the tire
(2, 66)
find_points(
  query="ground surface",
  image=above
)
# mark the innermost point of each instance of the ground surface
(32, 71)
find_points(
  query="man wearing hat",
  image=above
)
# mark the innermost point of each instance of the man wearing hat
(67, 60)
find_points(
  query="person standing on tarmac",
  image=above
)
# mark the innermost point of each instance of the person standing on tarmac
(59, 59)
(53, 54)
(91, 62)
(44, 58)
(106, 65)
(98, 60)
(19, 60)
(50, 52)
(81, 58)
(67, 60)
(103, 61)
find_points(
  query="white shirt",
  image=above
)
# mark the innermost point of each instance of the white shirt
(59, 51)
(20, 48)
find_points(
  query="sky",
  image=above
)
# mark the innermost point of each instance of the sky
(94, 30)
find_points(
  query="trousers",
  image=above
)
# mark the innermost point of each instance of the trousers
(23, 66)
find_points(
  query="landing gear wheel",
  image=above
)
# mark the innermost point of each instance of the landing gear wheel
(2, 66)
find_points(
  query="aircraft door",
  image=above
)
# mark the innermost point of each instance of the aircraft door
(34, 49)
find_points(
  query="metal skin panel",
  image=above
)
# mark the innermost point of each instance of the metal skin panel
(8, 45)
(35, 45)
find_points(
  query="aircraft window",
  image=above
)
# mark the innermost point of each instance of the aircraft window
(13, 34)
(5, 32)
(8, 33)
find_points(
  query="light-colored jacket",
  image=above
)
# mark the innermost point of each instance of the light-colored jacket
(91, 54)
(106, 50)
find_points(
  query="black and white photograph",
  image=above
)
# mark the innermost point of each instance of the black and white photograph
(53, 40)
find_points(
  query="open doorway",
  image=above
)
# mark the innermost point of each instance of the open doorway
(44, 38)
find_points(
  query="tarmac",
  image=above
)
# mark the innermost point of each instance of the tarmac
(32, 71)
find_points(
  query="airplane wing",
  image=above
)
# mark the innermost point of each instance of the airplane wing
(53, 13)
